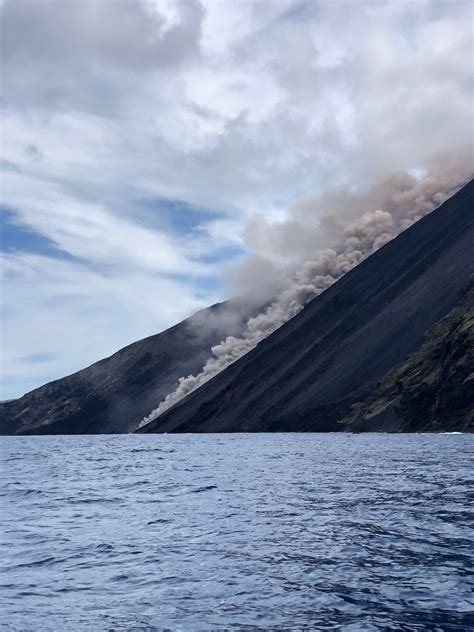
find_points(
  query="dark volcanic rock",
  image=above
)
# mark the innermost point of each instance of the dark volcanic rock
(114, 394)
(433, 389)
(308, 373)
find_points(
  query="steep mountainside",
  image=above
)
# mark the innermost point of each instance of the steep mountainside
(434, 388)
(307, 374)
(114, 394)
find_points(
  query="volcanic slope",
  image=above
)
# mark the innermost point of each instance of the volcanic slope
(307, 374)
(115, 393)
(433, 389)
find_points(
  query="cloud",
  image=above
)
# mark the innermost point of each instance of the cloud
(112, 112)
(124, 35)
(70, 314)
(313, 222)
(264, 103)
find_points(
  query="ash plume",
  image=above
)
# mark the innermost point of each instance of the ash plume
(357, 223)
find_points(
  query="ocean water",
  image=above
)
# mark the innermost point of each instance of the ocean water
(248, 532)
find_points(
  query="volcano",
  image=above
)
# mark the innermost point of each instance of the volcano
(113, 395)
(387, 347)
(317, 370)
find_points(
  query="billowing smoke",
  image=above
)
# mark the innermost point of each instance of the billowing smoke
(384, 211)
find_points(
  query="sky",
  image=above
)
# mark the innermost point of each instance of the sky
(140, 140)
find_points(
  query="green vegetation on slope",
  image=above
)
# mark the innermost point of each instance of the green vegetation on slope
(434, 388)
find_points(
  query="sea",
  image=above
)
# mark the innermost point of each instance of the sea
(237, 532)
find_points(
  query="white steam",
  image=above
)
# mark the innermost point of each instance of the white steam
(392, 206)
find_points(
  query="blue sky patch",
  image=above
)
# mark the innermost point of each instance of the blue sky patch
(176, 216)
(17, 238)
(227, 253)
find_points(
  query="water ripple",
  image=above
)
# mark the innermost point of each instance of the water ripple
(247, 532)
